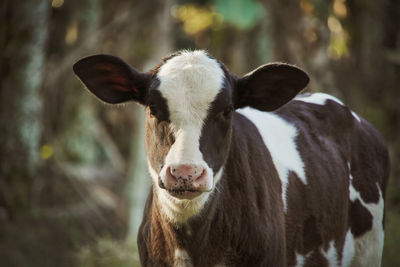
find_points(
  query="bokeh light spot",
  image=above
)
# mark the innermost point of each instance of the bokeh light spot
(307, 7)
(334, 25)
(46, 151)
(57, 3)
(339, 8)
(195, 18)
(72, 34)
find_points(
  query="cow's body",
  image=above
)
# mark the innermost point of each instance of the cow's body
(333, 167)
(303, 185)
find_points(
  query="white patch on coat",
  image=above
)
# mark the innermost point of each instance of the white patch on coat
(300, 260)
(182, 259)
(349, 168)
(320, 99)
(356, 116)
(369, 247)
(331, 255)
(348, 250)
(189, 82)
(279, 137)
(317, 98)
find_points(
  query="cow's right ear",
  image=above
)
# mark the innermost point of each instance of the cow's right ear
(111, 79)
(270, 86)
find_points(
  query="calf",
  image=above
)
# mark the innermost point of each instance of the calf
(244, 172)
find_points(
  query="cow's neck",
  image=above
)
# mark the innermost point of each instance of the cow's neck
(191, 237)
(221, 218)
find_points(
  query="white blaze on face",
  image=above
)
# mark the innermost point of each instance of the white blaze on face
(189, 82)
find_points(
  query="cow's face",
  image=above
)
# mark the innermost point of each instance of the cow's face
(189, 103)
(188, 125)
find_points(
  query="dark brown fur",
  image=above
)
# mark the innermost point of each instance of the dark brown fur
(239, 226)
(243, 224)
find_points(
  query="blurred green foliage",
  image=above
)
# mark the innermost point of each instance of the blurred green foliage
(244, 14)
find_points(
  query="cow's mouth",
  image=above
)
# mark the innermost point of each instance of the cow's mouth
(181, 193)
(184, 193)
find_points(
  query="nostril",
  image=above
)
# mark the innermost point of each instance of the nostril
(203, 173)
(201, 176)
(181, 177)
(171, 171)
(186, 171)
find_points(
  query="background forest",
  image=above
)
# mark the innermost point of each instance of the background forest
(73, 175)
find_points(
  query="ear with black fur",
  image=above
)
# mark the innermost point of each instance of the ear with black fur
(111, 79)
(269, 86)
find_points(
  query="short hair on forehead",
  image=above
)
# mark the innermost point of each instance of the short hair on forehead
(195, 67)
(190, 61)
(190, 81)
(164, 60)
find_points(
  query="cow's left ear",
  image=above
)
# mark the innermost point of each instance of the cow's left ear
(269, 86)
(112, 80)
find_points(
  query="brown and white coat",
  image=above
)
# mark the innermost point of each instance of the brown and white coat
(246, 173)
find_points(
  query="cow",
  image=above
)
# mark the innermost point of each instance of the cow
(246, 172)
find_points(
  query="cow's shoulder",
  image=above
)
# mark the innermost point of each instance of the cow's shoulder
(279, 137)
(320, 114)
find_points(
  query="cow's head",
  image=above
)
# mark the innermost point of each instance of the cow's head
(189, 100)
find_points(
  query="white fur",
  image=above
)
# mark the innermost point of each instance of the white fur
(320, 99)
(368, 248)
(317, 98)
(356, 116)
(190, 82)
(348, 250)
(182, 258)
(331, 255)
(279, 137)
(300, 260)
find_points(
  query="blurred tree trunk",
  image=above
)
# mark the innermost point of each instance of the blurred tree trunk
(374, 87)
(23, 31)
(71, 129)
